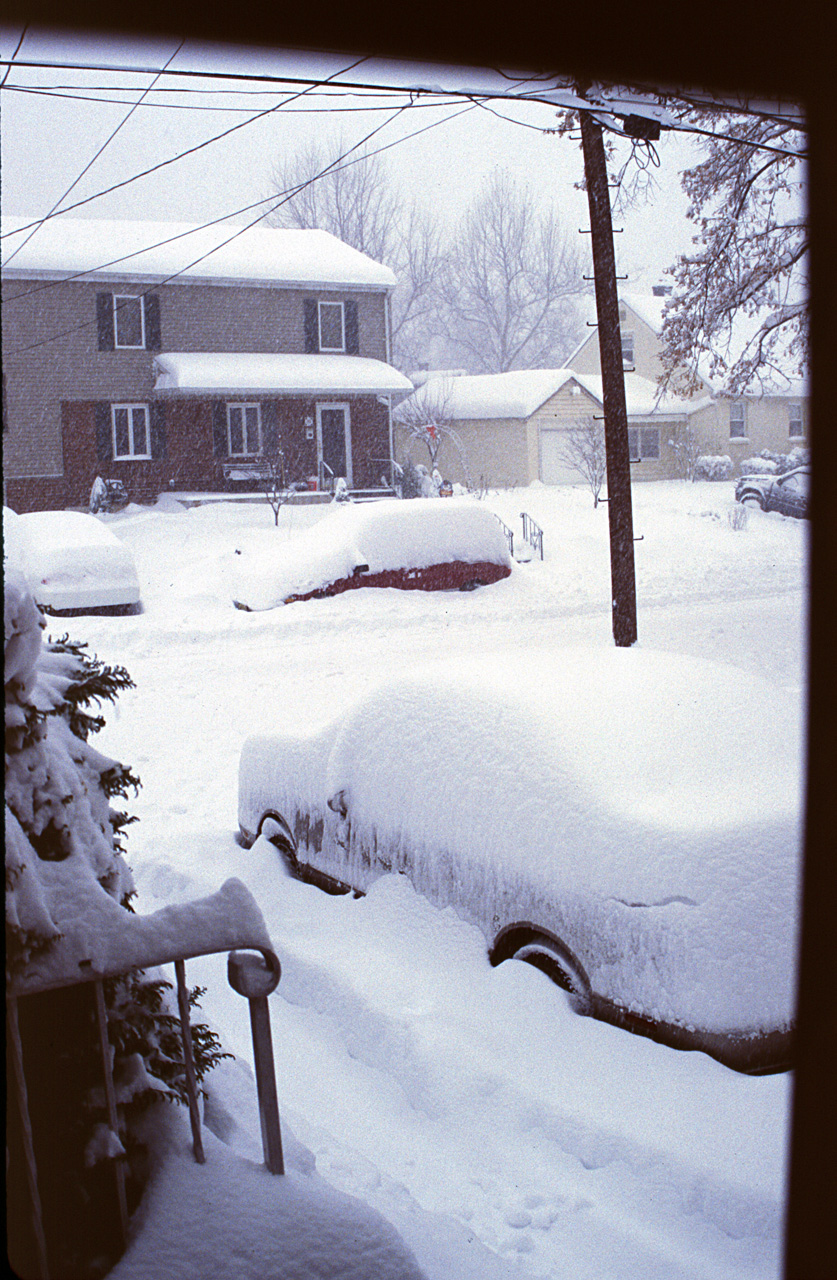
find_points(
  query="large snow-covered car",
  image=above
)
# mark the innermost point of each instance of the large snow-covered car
(422, 545)
(628, 821)
(788, 494)
(73, 563)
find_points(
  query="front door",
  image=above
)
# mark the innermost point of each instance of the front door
(334, 444)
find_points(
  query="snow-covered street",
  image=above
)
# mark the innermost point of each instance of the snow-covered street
(499, 1133)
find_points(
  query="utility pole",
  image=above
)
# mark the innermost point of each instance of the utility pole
(622, 576)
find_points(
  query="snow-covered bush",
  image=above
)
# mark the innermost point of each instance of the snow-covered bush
(410, 479)
(65, 856)
(709, 467)
(769, 462)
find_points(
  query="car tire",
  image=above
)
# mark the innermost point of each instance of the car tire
(752, 500)
(548, 954)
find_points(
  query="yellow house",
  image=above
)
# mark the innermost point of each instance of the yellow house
(738, 427)
(509, 429)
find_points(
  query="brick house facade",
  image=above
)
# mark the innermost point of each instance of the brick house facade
(97, 335)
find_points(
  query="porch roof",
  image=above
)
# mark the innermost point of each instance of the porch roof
(252, 373)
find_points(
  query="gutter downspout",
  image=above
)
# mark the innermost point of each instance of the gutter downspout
(389, 397)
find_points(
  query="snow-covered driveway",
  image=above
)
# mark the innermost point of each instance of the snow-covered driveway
(461, 1101)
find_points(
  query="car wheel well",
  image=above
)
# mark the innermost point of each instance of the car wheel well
(545, 951)
(275, 829)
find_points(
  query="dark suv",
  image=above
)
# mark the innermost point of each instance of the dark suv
(787, 494)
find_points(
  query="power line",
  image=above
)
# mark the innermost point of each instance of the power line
(171, 160)
(18, 47)
(286, 196)
(92, 161)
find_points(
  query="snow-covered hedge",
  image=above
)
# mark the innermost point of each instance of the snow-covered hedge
(709, 467)
(65, 868)
(769, 463)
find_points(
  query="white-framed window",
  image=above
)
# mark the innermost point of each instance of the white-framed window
(332, 324)
(795, 427)
(131, 435)
(643, 443)
(128, 320)
(244, 430)
(627, 348)
(737, 420)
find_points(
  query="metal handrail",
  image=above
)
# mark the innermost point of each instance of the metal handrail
(322, 468)
(253, 976)
(507, 531)
(532, 533)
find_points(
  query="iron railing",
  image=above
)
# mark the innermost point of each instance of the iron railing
(147, 945)
(532, 533)
(508, 532)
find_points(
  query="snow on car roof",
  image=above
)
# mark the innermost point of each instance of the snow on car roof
(389, 534)
(117, 249)
(49, 530)
(583, 777)
(252, 372)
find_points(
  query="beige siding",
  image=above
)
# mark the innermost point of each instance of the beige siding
(495, 453)
(767, 426)
(647, 348)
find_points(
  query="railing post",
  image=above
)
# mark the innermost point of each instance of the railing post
(255, 977)
(26, 1133)
(189, 1061)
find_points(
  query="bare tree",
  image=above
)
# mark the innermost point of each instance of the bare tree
(687, 448)
(355, 199)
(510, 282)
(740, 299)
(584, 451)
(427, 416)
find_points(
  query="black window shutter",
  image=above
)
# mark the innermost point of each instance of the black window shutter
(350, 309)
(104, 434)
(153, 336)
(270, 427)
(158, 430)
(104, 321)
(219, 428)
(312, 325)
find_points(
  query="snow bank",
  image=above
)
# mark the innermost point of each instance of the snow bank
(390, 534)
(232, 1217)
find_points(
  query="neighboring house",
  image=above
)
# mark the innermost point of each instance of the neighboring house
(739, 427)
(175, 357)
(513, 426)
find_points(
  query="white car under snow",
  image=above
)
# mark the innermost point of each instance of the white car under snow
(628, 821)
(72, 562)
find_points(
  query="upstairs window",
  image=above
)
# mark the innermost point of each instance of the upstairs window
(737, 420)
(126, 321)
(795, 428)
(244, 430)
(627, 349)
(131, 436)
(332, 326)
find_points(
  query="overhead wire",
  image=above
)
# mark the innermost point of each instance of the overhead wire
(92, 161)
(18, 48)
(286, 197)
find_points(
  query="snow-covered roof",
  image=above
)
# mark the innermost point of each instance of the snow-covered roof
(113, 250)
(520, 393)
(222, 372)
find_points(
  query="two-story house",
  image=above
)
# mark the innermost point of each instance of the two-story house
(179, 357)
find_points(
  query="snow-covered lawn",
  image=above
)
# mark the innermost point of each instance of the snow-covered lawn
(498, 1133)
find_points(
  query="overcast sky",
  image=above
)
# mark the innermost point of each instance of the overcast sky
(47, 141)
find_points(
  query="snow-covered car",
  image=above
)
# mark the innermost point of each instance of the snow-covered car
(73, 563)
(421, 545)
(787, 494)
(628, 821)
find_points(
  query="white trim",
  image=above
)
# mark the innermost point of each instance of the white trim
(132, 456)
(128, 297)
(244, 405)
(347, 423)
(325, 302)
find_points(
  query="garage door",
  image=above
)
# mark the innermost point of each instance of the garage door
(554, 468)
